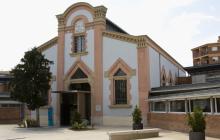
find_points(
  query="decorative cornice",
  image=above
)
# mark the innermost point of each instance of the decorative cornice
(61, 23)
(156, 47)
(48, 44)
(142, 42)
(76, 5)
(100, 12)
(120, 36)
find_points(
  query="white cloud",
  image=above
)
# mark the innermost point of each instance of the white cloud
(178, 37)
(28, 23)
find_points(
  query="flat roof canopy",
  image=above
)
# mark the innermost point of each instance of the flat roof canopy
(71, 91)
(187, 95)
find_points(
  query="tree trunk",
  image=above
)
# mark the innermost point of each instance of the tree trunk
(38, 116)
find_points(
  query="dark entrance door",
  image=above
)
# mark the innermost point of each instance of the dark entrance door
(88, 107)
(68, 106)
(78, 99)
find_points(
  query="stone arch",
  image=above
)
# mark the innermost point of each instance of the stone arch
(81, 65)
(163, 78)
(74, 11)
(170, 78)
(123, 66)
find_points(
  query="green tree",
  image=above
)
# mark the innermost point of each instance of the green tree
(31, 80)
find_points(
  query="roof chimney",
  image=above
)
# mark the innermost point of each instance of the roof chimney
(218, 39)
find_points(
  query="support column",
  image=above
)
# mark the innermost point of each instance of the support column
(143, 76)
(97, 98)
(60, 63)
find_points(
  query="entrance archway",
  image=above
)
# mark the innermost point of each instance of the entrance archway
(77, 95)
(77, 99)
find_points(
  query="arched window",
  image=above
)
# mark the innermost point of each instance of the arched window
(170, 82)
(120, 87)
(79, 37)
(164, 80)
(79, 27)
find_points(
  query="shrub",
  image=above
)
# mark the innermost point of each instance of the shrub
(136, 115)
(28, 123)
(76, 118)
(32, 123)
(79, 126)
(77, 123)
(196, 120)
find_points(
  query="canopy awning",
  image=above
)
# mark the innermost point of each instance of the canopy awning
(10, 102)
(71, 91)
(188, 95)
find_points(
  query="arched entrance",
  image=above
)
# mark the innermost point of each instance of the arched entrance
(76, 98)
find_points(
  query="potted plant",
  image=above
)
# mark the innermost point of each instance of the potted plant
(197, 123)
(136, 115)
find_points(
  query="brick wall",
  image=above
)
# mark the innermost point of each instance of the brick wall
(178, 122)
(9, 115)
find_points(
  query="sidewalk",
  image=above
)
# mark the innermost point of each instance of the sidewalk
(12, 132)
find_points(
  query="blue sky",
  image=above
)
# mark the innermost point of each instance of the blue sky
(176, 25)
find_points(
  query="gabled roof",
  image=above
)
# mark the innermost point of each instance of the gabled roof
(111, 26)
(48, 44)
(142, 39)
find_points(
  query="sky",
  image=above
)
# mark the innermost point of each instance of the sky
(176, 25)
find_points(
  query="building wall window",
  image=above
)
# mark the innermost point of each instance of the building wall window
(215, 58)
(79, 27)
(218, 105)
(79, 37)
(209, 105)
(158, 106)
(120, 87)
(79, 43)
(177, 106)
(214, 48)
(120, 74)
(164, 80)
(204, 104)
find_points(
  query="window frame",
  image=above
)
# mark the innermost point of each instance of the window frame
(119, 64)
(216, 105)
(120, 78)
(191, 106)
(185, 105)
(214, 48)
(215, 59)
(82, 43)
(83, 48)
(165, 105)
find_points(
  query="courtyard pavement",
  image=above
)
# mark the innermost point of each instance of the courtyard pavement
(12, 132)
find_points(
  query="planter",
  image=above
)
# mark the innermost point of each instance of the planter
(137, 126)
(196, 135)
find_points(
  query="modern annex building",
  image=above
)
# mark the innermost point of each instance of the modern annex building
(100, 70)
(169, 105)
(10, 111)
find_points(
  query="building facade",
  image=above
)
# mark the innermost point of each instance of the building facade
(207, 54)
(169, 105)
(102, 71)
(10, 111)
